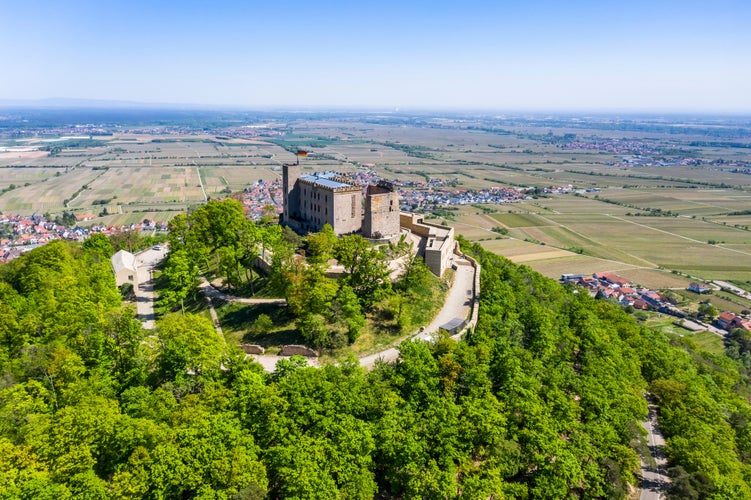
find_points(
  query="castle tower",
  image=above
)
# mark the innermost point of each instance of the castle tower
(381, 219)
(291, 193)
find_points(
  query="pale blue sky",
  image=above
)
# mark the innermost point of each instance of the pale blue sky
(539, 55)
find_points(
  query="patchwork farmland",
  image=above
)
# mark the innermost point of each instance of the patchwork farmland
(638, 200)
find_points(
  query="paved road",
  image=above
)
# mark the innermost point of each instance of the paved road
(457, 305)
(655, 479)
(145, 262)
(738, 291)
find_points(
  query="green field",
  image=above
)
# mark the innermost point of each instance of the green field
(618, 225)
(520, 220)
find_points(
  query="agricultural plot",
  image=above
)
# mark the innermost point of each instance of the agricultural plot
(655, 279)
(570, 204)
(20, 158)
(632, 240)
(43, 160)
(723, 302)
(588, 177)
(637, 238)
(520, 220)
(576, 264)
(140, 185)
(697, 174)
(698, 230)
(21, 176)
(217, 180)
(47, 194)
(357, 152)
(260, 154)
(510, 247)
(125, 219)
(743, 221)
(551, 261)
(689, 202)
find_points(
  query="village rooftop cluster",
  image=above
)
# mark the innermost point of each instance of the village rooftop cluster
(611, 286)
(22, 233)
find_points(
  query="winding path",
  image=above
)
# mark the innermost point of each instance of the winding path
(211, 292)
(655, 478)
(458, 304)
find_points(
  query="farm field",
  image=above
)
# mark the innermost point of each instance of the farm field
(139, 184)
(142, 171)
(570, 204)
(23, 175)
(706, 341)
(520, 220)
(125, 219)
(49, 193)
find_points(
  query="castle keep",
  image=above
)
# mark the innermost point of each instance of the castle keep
(312, 200)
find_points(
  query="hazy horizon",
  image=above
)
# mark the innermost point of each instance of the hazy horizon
(543, 56)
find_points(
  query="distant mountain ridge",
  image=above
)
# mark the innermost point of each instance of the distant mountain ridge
(70, 102)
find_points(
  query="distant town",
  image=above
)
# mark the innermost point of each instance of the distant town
(610, 286)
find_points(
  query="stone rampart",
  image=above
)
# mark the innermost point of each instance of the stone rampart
(298, 350)
(252, 349)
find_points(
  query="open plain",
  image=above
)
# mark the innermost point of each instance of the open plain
(668, 199)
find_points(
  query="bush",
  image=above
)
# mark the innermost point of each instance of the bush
(127, 291)
(262, 324)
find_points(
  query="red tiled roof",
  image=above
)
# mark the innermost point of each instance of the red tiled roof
(726, 316)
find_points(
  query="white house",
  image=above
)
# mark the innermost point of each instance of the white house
(124, 267)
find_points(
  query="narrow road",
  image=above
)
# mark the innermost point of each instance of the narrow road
(215, 318)
(145, 262)
(738, 291)
(655, 478)
(210, 292)
(200, 182)
(457, 305)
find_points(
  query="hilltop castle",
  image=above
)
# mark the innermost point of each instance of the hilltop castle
(312, 200)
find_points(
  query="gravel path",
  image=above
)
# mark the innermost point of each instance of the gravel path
(655, 478)
(145, 262)
(457, 305)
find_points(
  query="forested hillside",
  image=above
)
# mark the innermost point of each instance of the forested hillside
(543, 400)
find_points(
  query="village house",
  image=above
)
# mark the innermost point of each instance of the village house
(730, 321)
(699, 288)
(124, 267)
(725, 320)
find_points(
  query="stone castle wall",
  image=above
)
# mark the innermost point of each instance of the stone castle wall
(381, 218)
(340, 207)
(438, 241)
